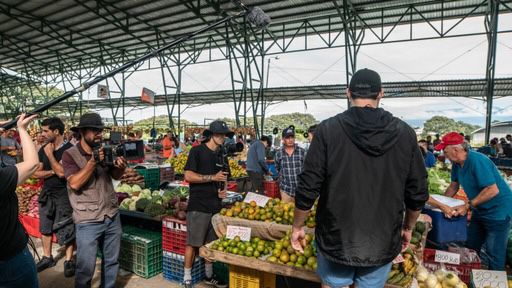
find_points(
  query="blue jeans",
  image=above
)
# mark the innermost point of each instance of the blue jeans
(489, 239)
(89, 236)
(19, 271)
(336, 275)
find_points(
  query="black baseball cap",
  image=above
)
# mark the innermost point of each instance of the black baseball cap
(219, 127)
(365, 83)
(290, 131)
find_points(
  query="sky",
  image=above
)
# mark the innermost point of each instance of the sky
(439, 59)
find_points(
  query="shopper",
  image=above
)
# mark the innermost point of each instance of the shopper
(367, 169)
(39, 142)
(17, 267)
(94, 202)
(256, 164)
(289, 163)
(430, 145)
(55, 212)
(490, 199)
(167, 146)
(208, 181)
(428, 157)
(509, 138)
(9, 148)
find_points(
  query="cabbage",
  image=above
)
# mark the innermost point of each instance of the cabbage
(155, 193)
(146, 193)
(136, 188)
(124, 188)
(132, 206)
(125, 204)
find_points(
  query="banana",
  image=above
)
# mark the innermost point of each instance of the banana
(397, 278)
(392, 274)
(404, 282)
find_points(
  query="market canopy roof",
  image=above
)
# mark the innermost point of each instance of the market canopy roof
(444, 88)
(69, 35)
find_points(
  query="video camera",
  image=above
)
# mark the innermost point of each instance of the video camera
(130, 150)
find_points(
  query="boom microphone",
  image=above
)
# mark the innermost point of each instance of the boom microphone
(254, 15)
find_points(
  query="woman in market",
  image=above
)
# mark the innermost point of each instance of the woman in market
(490, 199)
(17, 267)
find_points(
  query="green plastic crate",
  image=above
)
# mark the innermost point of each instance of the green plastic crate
(141, 251)
(221, 270)
(151, 177)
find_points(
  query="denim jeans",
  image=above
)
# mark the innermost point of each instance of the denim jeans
(19, 271)
(489, 239)
(89, 236)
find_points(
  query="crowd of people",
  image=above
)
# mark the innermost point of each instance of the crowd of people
(365, 167)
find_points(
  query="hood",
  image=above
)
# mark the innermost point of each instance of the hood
(372, 130)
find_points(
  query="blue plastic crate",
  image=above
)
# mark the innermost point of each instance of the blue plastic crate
(173, 268)
(446, 230)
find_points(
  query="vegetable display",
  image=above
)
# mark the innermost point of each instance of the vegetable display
(438, 180)
(25, 193)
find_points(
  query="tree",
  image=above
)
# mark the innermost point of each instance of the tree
(442, 125)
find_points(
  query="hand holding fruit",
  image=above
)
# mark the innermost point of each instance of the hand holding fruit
(298, 239)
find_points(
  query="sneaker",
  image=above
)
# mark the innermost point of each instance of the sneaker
(44, 263)
(69, 268)
(187, 284)
(215, 282)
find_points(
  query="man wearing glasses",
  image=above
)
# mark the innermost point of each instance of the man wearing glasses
(94, 202)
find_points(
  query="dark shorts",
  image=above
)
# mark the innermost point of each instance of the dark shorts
(199, 228)
(49, 213)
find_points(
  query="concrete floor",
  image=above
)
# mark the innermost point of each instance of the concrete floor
(54, 277)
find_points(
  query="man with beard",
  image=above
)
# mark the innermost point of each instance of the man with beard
(94, 202)
(54, 207)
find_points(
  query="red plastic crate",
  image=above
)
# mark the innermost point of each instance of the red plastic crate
(463, 270)
(31, 225)
(232, 186)
(272, 189)
(174, 235)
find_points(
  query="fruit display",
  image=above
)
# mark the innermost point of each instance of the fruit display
(274, 211)
(403, 273)
(283, 253)
(255, 248)
(439, 279)
(25, 194)
(237, 171)
(417, 234)
(179, 162)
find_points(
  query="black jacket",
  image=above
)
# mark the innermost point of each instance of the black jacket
(367, 168)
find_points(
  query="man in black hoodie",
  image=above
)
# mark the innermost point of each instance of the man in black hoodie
(368, 171)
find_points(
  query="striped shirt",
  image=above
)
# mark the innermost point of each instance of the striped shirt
(289, 168)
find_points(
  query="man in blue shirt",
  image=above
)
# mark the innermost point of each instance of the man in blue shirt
(430, 159)
(490, 199)
(256, 164)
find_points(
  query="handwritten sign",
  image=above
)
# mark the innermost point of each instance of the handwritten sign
(243, 232)
(398, 259)
(447, 257)
(261, 200)
(488, 278)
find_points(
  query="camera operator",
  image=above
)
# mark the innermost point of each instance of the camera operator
(54, 207)
(207, 172)
(17, 267)
(94, 202)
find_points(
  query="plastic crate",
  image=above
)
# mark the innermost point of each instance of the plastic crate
(272, 189)
(463, 270)
(173, 268)
(174, 235)
(221, 270)
(241, 277)
(166, 173)
(446, 230)
(151, 177)
(141, 251)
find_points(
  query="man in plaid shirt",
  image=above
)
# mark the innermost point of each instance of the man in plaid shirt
(289, 163)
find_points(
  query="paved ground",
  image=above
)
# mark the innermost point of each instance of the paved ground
(54, 277)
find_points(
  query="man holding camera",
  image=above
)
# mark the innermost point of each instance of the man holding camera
(207, 172)
(94, 202)
(54, 207)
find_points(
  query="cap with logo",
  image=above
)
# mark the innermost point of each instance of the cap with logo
(365, 83)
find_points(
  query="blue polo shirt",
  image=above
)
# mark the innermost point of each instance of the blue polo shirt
(479, 172)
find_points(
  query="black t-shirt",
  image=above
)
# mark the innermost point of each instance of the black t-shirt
(204, 197)
(53, 182)
(13, 238)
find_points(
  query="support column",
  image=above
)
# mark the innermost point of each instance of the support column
(491, 27)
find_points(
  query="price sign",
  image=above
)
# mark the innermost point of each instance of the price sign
(398, 259)
(243, 232)
(447, 257)
(487, 278)
(261, 200)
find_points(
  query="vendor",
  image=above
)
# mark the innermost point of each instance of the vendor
(168, 146)
(490, 199)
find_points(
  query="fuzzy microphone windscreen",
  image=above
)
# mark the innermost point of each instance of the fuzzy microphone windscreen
(258, 18)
